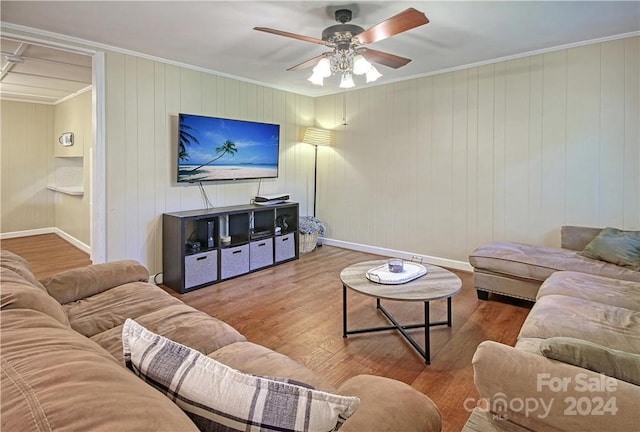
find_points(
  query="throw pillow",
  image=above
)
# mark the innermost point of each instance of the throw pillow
(615, 246)
(614, 363)
(217, 397)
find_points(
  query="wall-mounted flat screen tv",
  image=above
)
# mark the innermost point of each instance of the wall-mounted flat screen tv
(212, 148)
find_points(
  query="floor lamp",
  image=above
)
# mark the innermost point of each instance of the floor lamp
(316, 137)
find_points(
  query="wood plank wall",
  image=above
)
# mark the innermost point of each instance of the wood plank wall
(507, 151)
(143, 101)
(27, 164)
(433, 166)
(30, 134)
(72, 213)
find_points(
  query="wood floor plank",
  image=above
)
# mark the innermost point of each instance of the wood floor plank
(296, 309)
(47, 253)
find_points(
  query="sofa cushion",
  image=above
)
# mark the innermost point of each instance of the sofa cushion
(54, 379)
(20, 266)
(255, 359)
(557, 315)
(539, 262)
(614, 363)
(180, 323)
(109, 309)
(217, 396)
(504, 374)
(76, 284)
(612, 292)
(380, 398)
(17, 293)
(615, 246)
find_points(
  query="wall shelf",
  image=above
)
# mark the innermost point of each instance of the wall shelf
(69, 190)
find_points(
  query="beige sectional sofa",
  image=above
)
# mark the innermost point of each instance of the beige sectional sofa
(592, 324)
(62, 360)
(518, 270)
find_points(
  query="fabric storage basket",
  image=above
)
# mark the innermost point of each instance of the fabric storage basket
(308, 242)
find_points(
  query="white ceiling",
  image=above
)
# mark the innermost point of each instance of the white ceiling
(41, 74)
(218, 35)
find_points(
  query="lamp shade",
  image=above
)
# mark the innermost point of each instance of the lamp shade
(360, 65)
(316, 79)
(317, 137)
(323, 68)
(373, 74)
(347, 81)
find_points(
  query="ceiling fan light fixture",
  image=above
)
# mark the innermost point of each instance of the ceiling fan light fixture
(316, 79)
(373, 74)
(360, 65)
(347, 81)
(323, 68)
(348, 40)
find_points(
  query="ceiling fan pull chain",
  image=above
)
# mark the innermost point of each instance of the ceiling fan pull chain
(344, 108)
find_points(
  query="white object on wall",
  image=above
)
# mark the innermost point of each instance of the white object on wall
(66, 139)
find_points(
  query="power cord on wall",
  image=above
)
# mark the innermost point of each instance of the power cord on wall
(253, 200)
(205, 198)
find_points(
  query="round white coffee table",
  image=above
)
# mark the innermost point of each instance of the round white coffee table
(437, 284)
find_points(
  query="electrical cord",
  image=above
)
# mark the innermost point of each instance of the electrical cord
(205, 198)
(253, 200)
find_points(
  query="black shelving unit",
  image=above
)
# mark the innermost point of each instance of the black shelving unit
(194, 254)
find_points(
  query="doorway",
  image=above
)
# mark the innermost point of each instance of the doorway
(55, 81)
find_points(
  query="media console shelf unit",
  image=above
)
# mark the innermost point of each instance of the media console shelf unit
(202, 247)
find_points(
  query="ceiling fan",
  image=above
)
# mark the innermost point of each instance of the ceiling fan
(350, 54)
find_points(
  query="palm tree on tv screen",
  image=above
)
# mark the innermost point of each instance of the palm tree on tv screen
(227, 147)
(185, 137)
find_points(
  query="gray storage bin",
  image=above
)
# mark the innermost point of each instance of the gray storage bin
(285, 247)
(200, 269)
(260, 253)
(234, 261)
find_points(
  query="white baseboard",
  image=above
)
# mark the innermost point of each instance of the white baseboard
(442, 262)
(50, 230)
(74, 241)
(16, 234)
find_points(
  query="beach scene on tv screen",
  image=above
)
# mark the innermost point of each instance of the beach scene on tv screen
(211, 148)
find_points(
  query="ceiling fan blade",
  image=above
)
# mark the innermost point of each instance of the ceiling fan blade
(384, 58)
(307, 64)
(291, 35)
(402, 22)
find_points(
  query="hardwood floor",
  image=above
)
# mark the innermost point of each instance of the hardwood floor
(47, 253)
(296, 309)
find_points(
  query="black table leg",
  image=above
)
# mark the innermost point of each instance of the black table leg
(427, 334)
(344, 311)
(426, 352)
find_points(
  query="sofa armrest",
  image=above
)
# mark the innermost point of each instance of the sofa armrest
(389, 405)
(537, 393)
(76, 284)
(577, 237)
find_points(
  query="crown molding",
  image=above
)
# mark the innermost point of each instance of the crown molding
(89, 46)
(104, 47)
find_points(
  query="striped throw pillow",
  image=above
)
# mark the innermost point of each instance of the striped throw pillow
(217, 397)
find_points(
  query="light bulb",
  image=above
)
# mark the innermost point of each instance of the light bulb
(323, 68)
(347, 81)
(360, 65)
(316, 79)
(373, 74)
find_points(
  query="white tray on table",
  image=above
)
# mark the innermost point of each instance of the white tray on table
(383, 275)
